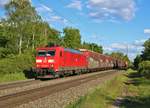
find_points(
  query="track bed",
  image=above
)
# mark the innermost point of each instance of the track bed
(16, 99)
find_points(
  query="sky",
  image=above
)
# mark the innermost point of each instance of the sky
(117, 25)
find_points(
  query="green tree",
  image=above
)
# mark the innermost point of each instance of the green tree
(93, 47)
(72, 38)
(21, 17)
(144, 68)
(3, 38)
(118, 55)
(137, 60)
(54, 37)
(121, 56)
(146, 53)
(24, 28)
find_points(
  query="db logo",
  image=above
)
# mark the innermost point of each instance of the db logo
(45, 60)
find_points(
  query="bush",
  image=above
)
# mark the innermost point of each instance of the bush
(13, 77)
(144, 68)
(4, 52)
(16, 64)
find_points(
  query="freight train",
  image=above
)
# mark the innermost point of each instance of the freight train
(52, 62)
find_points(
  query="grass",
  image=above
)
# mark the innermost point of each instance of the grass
(103, 96)
(12, 77)
(139, 91)
(133, 88)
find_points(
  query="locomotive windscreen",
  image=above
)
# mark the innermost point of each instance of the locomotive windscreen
(46, 53)
(50, 53)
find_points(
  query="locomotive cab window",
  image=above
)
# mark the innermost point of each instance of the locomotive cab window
(50, 53)
(41, 53)
(46, 53)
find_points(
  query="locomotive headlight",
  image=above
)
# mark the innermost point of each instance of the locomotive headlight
(38, 61)
(51, 61)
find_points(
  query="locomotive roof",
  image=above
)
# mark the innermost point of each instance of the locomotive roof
(72, 50)
(45, 48)
(65, 49)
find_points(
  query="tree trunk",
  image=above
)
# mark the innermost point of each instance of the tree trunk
(45, 32)
(28, 44)
(33, 36)
(20, 45)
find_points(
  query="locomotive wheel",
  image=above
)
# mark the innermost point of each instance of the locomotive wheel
(57, 75)
(61, 74)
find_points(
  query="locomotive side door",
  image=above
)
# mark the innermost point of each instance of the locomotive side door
(61, 58)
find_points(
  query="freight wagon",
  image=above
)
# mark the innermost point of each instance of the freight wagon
(97, 61)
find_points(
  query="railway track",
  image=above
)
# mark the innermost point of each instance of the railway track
(20, 98)
(18, 84)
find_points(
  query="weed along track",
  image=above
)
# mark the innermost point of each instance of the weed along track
(20, 98)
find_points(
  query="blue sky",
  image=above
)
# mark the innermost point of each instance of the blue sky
(118, 25)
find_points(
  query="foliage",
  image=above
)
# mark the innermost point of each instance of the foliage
(21, 16)
(103, 96)
(118, 55)
(93, 47)
(16, 64)
(125, 58)
(134, 94)
(137, 60)
(3, 40)
(12, 77)
(144, 68)
(121, 56)
(4, 52)
(146, 53)
(141, 62)
(137, 92)
(23, 28)
(72, 38)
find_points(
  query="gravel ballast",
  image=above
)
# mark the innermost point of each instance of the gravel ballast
(63, 98)
(42, 84)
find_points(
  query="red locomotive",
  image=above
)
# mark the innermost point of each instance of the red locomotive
(58, 61)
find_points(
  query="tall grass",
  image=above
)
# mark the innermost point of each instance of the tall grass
(12, 77)
(15, 67)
